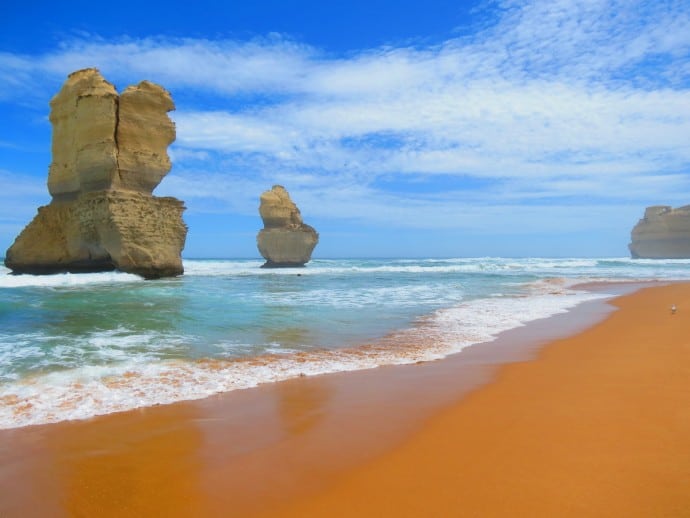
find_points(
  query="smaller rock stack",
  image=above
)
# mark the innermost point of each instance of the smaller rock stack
(663, 233)
(285, 240)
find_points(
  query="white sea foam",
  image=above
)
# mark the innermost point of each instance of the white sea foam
(350, 297)
(44, 352)
(87, 391)
(566, 267)
(52, 372)
(612, 267)
(335, 267)
(63, 279)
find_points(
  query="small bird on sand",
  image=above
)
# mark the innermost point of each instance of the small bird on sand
(673, 309)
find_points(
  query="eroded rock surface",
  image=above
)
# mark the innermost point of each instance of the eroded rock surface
(109, 153)
(663, 233)
(84, 119)
(144, 132)
(285, 239)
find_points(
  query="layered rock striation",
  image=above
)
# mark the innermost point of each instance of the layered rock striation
(109, 152)
(285, 240)
(663, 233)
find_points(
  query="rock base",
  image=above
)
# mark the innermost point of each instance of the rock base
(102, 231)
(285, 248)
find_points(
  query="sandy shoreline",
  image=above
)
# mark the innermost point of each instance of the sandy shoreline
(401, 441)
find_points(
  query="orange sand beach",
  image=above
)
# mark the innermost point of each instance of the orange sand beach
(593, 424)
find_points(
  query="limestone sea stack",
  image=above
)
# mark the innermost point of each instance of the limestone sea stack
(663, 233)
(109, 152)
(285, 240)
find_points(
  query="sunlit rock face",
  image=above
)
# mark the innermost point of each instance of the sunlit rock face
(663, 233)
(109, 152)
(285, 239)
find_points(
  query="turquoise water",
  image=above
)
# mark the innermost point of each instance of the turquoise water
(72, 346)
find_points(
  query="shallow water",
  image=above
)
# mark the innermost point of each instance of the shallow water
(77, 345)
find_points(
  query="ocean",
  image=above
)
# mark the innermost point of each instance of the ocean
(73, 346)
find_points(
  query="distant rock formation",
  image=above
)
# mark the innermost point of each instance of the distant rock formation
(109, 153)
(663, 233)
(285, 240)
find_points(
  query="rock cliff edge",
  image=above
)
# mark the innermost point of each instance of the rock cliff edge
(109, 152)
(285, 239)
(663, 233)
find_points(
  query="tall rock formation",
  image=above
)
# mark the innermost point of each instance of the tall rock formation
(285, 239)
(109, 153)
(663, 233)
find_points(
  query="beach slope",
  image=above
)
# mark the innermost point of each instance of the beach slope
(597, 425)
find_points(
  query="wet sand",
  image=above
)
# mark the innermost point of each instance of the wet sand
(596, 425)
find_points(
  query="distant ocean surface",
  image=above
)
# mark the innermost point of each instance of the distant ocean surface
(78, 345)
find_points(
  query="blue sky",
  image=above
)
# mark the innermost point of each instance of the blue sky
(508, 127)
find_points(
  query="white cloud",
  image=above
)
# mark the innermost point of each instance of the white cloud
(536, 130)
